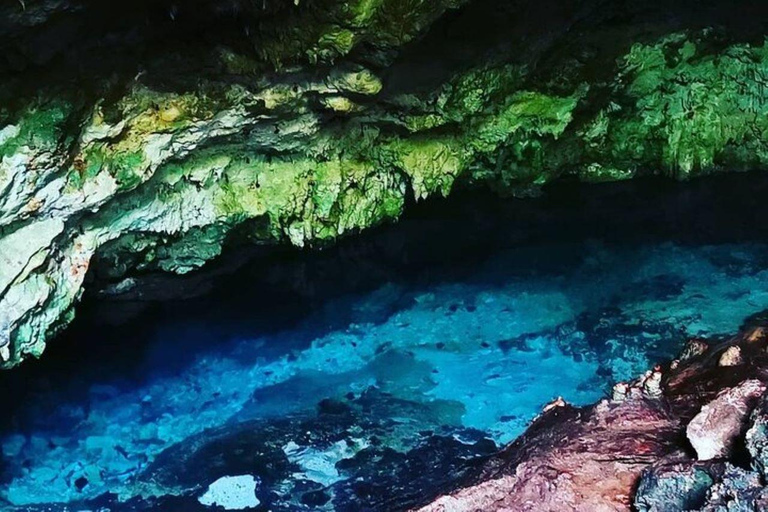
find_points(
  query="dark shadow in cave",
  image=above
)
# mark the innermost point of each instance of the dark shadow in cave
(266, 290)
(536, 33)
(175, 42)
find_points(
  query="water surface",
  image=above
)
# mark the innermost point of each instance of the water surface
(333, 377)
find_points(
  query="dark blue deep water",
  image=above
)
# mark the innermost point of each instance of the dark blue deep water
(368, 375)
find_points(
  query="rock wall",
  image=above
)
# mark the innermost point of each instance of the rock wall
(147, 142)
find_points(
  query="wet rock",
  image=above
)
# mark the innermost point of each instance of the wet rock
(387, 480)
(334, 407)
(714, 431)
(81, 482)
(561, 463)
(328, 461)
(756, 335)
(12, 446)
(557, 402)
(239, 449)
(315, 498)
(676, 484)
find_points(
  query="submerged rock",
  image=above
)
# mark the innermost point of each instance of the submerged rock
(231, 493)
(303, 462)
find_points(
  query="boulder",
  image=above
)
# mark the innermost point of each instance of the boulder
(714, 431)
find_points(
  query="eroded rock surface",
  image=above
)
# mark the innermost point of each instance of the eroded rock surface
(148, 141)
(631, 452)
(720, 424)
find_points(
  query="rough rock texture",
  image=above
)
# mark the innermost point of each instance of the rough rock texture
(707, 487)
(757, 438)
(631, 453)
(299, 122)
(714, 431)
(674, 483)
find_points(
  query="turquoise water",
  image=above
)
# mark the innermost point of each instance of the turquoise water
(344, 387)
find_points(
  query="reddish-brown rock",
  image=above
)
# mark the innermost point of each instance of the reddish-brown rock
(592, 459)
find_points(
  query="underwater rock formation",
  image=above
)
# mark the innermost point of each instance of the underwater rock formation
(147, 142)
(630, 452)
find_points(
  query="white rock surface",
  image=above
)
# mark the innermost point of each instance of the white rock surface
(714, 431)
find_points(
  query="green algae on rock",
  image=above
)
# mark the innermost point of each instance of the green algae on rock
(301, 141)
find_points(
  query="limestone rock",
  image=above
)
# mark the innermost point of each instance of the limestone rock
(316, 125)
(677, 485)
(714, 431)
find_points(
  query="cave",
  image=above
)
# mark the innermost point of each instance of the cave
(383, 255)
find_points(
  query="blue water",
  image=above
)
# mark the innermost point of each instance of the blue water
(466, 353)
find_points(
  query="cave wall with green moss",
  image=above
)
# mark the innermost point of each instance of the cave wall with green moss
(314, 123)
